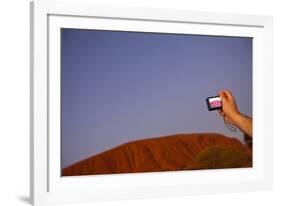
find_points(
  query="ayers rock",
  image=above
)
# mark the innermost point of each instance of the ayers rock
(169, 153)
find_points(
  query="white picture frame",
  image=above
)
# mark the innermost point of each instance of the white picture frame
(47, 186)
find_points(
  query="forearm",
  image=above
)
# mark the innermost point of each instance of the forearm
(244, 123)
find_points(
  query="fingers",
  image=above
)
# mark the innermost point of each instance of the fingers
(226, 95)
(222, 95)
(221, 113)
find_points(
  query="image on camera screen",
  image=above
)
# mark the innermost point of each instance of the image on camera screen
(215, 102)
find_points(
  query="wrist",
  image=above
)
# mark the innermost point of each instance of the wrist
(237, 118)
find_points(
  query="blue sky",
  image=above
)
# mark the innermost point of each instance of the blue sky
(118, 87)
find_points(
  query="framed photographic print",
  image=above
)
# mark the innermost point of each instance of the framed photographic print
(141, 102)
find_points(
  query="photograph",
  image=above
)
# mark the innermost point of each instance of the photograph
(135, 102)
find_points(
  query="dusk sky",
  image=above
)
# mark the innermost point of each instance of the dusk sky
(118, 87)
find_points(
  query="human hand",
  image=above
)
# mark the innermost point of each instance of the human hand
(232, 115)
(229, 109)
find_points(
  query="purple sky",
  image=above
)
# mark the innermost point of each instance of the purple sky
(122, 86)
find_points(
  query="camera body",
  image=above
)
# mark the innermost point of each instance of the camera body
(214, 103)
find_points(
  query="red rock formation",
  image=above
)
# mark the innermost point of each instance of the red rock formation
(170, 153)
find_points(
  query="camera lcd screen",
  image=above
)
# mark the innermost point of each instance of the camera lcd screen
(214, 103)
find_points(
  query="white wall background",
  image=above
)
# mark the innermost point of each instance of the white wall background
(14, 101)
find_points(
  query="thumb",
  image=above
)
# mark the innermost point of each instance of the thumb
(222, 96)
(228, 95)
(224, 100)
